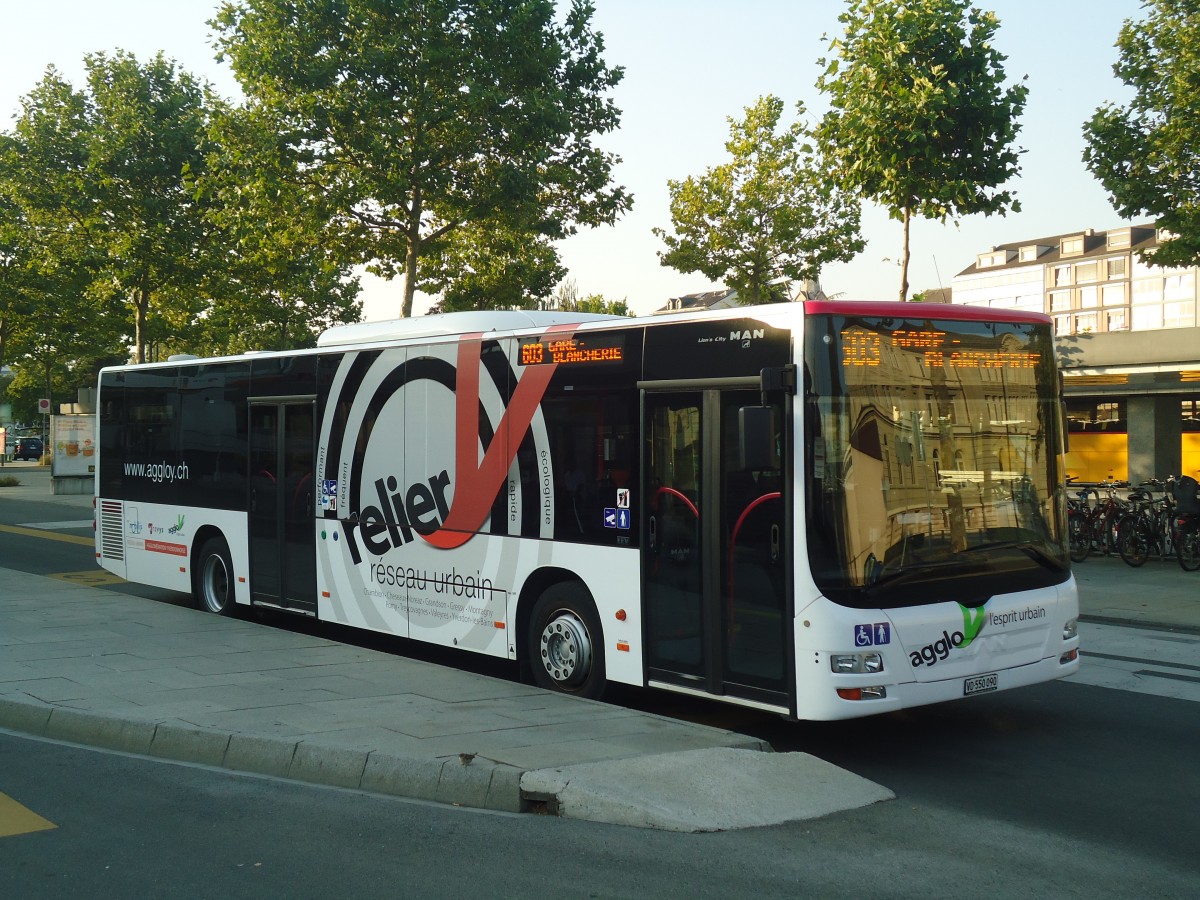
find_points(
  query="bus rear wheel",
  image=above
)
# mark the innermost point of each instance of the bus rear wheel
(212, 580)
(565, 646)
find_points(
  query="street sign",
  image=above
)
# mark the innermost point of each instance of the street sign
(44, 405)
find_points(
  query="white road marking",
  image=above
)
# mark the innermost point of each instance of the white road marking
(1161, 663)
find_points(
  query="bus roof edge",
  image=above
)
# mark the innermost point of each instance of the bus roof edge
(452, 323)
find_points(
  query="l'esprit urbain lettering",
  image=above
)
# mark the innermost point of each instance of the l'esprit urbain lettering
(421, 508)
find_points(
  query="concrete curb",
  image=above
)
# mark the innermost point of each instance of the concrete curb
(703, 790)
(1134, 622)
(460, 780)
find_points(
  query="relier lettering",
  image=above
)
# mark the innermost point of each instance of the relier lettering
(422, 508)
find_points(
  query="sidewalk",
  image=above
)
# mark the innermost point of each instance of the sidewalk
(1159, 594)
(105, 669)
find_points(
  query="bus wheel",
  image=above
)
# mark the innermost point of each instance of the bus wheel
(213, 578)
(565, 644)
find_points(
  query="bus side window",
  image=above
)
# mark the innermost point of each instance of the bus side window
(592, 448)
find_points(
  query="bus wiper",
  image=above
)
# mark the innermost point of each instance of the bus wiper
(889, 578)
(1030, 548)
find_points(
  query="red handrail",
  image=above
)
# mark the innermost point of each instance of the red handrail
(676, 493)
(758, 501)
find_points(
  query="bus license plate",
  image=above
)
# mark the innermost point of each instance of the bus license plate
(980, 684)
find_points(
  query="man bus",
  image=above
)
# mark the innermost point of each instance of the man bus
(826, 510)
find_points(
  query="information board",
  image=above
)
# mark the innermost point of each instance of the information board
(73, 443)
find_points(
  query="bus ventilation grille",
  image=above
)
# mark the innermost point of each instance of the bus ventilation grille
(112, 530)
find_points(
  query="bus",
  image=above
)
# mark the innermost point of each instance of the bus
(822, 509)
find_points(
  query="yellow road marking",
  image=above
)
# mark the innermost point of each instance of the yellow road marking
(16, 819)
(91, 578)
(48, 535)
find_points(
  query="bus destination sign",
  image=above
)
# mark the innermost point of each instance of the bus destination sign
(864, 348)
(585, 350)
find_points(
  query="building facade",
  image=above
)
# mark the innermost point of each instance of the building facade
(1128, 340)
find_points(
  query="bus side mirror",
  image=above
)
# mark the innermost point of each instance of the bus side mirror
(756, 438)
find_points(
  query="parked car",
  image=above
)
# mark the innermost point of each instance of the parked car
(28, 448)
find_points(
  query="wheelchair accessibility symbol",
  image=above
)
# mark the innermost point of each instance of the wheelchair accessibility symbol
(872, 635)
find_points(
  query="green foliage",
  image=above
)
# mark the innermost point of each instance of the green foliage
(566, 298)
(16, 278)
(485, 266)
(101, 178)
(279, 284)
(769, 216)
(417, 119)
(1144, 153)
(920, 120)
(595, 303)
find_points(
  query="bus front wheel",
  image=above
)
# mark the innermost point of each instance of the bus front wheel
(565, 643)
(213, 578)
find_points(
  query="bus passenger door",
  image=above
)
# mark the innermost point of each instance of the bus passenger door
(282, 538)
(716, 567)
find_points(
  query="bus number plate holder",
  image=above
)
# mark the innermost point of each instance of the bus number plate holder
(980, 684)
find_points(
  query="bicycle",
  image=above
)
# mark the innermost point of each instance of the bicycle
(1092, 528)
(1148, 527)
(1078, 535)
(1187, 523)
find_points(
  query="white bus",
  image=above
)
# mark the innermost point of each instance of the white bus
(826, 510)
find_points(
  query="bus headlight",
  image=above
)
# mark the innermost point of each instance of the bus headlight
(855, 663)
(1070, 630)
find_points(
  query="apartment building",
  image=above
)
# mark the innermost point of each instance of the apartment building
(1127, 336)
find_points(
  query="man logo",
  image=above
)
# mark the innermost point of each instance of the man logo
(747, 335)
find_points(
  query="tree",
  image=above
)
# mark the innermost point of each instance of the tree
(45, 293)
(419, 117)
(279, 284)
(1144, 153)
(919, 120)
(566, 298)
(103, 177)
(769, 216)
(486, 266)
(14, 263)
(51, 353)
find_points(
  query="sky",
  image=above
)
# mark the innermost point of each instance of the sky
(689, 66)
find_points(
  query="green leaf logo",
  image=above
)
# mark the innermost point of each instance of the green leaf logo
(973, 620)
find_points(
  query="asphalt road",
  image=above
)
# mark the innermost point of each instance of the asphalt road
(78, 822)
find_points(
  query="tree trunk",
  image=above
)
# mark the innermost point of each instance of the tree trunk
(904, 256)
(413, 232)
(47, 372)
(141, 306)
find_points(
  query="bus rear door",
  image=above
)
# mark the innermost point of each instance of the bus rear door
(282, 534)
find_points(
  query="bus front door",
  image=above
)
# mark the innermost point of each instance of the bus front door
(716, 569)
(282, 537)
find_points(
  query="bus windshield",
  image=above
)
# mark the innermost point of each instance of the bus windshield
(933, 453)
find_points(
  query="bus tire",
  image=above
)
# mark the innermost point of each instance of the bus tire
(565, 645)
(212, 580)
